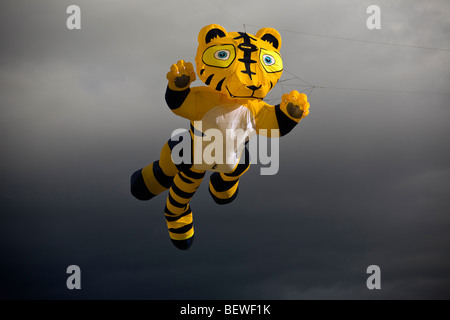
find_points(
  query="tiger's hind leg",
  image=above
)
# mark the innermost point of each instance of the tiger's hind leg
(149, 181)
(158, 176)
(178, 214)
(224, 187)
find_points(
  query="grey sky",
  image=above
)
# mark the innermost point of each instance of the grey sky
(363, 180)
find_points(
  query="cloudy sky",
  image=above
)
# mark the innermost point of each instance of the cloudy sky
(364, 180)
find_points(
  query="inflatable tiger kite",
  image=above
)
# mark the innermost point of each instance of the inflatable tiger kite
(239, 69)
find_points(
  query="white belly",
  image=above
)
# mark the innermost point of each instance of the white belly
(226, 129)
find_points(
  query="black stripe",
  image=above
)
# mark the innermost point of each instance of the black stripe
(247, 60)
(185, 180)
(175, 218)
(196, 132)
(181, 230)
(208, 81)
(285, 123)
(173, 141)
(165, 181)
(219, 85)
(175, 99)
(175, 203)
(224, 201)
(248, 48)
(270, 38)
(221, 185)
(201, 71)
(243, 34)
(241, 167)
(194, 175)
(271, 85)
(181, 193)
(168, 212)
(248, 72)
(214, 33)
(138, 187)
(183, 244)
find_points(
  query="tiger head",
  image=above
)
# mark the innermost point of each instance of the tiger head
(238, 64)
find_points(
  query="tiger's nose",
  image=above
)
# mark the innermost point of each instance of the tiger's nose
(253, 88)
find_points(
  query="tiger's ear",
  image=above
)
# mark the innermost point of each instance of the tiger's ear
(270, 35)
(210, 32)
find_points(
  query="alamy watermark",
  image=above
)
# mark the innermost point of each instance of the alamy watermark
(374, 280)
(373, 22)
(73, 22)
(74, 280)
(222, 150)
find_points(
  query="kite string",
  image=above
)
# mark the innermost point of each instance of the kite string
(228, 13)
(358, 40)
(311, 87)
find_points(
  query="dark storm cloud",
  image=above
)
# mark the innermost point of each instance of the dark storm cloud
(363, 180)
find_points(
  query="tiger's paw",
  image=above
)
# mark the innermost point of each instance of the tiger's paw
(295, 105)
(181, 227)
(183, 244)
(181, 75)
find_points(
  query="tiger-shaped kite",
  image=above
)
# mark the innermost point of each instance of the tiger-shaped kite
(239, 69)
